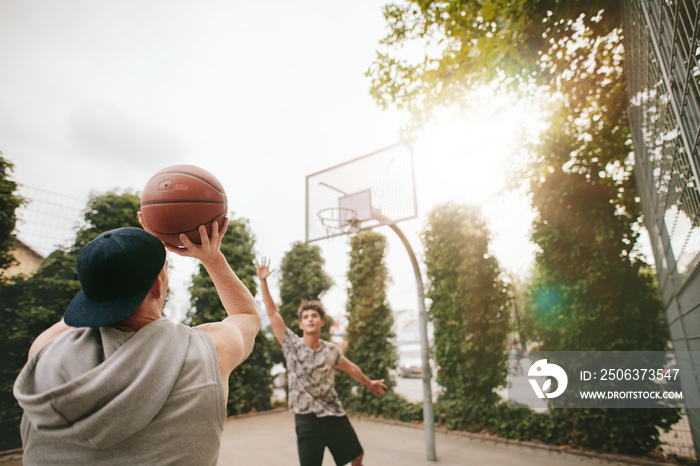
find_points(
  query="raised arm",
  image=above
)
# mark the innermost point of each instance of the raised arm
(276, 322)
(377, 387)
(234, 336)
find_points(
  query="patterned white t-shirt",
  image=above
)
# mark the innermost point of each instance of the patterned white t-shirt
(310, 376)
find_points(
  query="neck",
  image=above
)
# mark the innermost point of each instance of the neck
(134, 322)
(312, 340)
(145, 314)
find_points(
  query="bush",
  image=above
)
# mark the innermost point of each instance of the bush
(468, 307)
(250, 384)
(370, 321)
(390, 406)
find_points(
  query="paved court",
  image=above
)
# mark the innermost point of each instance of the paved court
(269, 439)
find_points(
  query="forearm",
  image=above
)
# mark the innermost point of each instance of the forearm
(276, 321)
(234, 295)
(356, 373)
(378, 387)
(270, 306)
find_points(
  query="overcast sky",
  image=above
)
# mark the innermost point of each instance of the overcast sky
(97, 95)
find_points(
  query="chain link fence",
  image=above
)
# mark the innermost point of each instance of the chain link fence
(662, 52)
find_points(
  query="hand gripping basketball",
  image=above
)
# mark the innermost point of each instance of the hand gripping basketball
(207, 248)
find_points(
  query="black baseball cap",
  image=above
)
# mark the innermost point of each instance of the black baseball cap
(116, 270)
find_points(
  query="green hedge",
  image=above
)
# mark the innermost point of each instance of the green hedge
(620, 431)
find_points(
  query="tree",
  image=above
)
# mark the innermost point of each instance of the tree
(104, 212)
(9, 202)
(9, 348)
(302, 278)
(250, 384)
(589, 294)
(29, 305)
(469, 304)
(567, 53)
(592, 289)
(468, 43)
(370, 340)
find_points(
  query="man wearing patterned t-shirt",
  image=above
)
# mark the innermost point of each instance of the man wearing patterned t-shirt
(319, 416)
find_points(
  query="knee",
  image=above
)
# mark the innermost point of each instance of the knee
(358, 461)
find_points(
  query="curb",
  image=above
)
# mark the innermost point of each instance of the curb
(521, 443)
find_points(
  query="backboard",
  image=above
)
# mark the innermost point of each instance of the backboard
(366, 192)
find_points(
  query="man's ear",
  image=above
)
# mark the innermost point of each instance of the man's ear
(159, 286)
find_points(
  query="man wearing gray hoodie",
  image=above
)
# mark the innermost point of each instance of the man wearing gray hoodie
(115, 383)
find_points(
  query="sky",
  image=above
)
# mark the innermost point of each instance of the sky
(98, 95)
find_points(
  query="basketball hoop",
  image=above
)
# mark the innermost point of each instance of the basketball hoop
(339, 220)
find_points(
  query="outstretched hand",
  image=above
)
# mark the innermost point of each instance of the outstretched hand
(377, 387)
(262, 269)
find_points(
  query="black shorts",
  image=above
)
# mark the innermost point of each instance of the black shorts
(314, 434)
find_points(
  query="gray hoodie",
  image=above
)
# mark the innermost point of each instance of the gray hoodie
(103, 396)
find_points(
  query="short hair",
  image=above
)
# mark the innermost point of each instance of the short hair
(314, 305)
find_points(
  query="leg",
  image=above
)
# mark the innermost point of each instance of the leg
(310, 445)
(342, 441)
(357, 461)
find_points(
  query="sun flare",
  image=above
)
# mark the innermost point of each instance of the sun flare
(470, 158)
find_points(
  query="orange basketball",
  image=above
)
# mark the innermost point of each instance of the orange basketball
(179, 199)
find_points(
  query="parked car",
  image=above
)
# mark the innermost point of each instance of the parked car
(410, 361)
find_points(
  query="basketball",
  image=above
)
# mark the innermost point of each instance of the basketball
(179, 199)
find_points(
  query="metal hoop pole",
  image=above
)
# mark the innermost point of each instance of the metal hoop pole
(428, 416)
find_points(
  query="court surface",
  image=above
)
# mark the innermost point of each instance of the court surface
(269, 439)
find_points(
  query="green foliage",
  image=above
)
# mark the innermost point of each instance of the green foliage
(104, 212)
(591, 290)
(593, 430)
(588, 129)
(613, 431)
(623, 431)
(302, 278)
(468, 307)
(589, 294)
(389, 406)
(250, 384)
(29, 305)
(9, 202)
(627, 431)
(370, 333)
(469, 43)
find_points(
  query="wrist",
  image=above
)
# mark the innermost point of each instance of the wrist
(215, 263)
